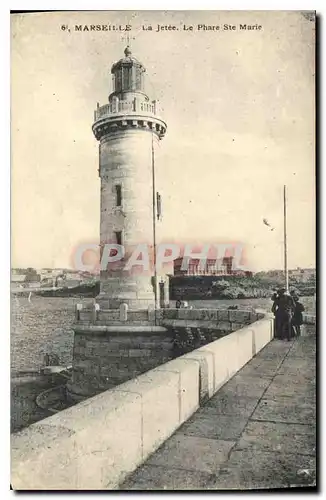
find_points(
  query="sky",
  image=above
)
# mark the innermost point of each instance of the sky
(240, 111)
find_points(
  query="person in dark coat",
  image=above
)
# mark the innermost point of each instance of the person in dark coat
(297, 319)
(283, 309)
(276, 322)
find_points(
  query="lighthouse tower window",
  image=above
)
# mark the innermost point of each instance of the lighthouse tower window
(118, 195)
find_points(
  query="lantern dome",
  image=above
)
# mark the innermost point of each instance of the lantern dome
(128, 74)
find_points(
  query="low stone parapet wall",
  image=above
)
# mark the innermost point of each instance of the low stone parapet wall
(209, 319)
(98, 316)
(221, 359)
(96, 443)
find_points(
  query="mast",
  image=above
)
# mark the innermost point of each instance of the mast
(154, 226)
(286, 272)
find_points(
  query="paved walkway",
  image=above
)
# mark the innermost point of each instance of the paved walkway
(258, 431)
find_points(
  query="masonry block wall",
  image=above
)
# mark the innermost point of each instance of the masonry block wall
(105, 359)
(108, 351)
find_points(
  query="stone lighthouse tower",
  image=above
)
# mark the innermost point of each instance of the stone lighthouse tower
(122, 334)
(128, 129)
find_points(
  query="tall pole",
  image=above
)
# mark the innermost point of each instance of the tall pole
(286, 272)
(154, 226)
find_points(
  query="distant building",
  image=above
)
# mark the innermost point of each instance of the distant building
(18, 278)
(18, 270)
(302, 274)
(33, 278)
(212, 267)
(29, 274)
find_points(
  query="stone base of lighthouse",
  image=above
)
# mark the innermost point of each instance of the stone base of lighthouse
(106, 356)
(120, 336)
(136, 291)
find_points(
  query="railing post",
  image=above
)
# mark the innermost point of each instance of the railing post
(115, 104)
(95, 312)
(151, 313)
(78, 308)
(123, 312)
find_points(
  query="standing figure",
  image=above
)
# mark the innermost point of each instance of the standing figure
(283, 309)
(274, 309)
(297, 319)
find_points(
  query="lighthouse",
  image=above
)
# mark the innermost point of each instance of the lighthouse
(121, 335)
(128, 129)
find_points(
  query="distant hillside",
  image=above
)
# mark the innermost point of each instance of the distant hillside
(84, 290)
(262, 284)
(234, 287)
